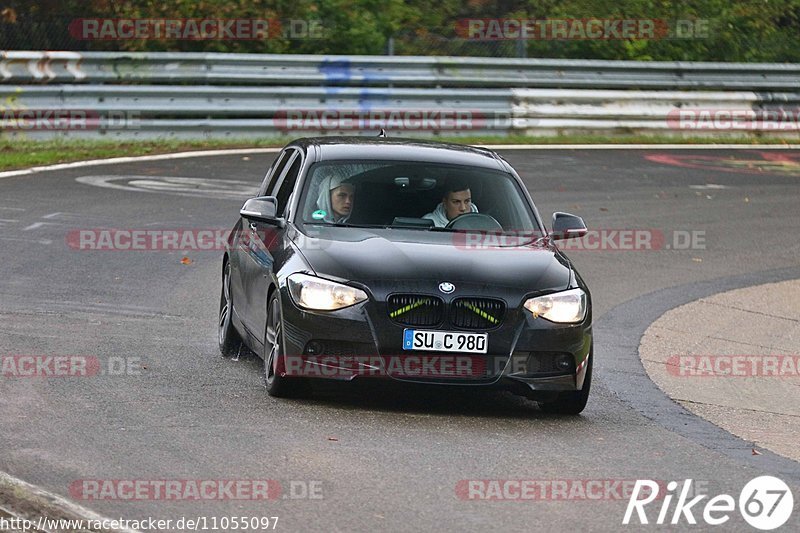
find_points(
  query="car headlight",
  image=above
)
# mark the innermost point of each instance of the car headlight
(320, 294)
(566, 307)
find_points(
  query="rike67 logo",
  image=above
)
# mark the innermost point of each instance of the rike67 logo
(765, 503)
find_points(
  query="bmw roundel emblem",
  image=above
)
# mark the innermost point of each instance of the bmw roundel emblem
(446, 287)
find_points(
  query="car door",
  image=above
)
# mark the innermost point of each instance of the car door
(239, 254)
(265, 240)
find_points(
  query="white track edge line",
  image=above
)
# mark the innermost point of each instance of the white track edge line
(135, 159)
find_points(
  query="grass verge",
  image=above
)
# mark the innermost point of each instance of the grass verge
(16, 153)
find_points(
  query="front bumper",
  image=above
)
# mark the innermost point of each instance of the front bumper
(532, 357)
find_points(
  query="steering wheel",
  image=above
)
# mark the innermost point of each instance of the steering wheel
(479, 221)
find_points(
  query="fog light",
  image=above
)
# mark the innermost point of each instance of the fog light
(314, 348)
(564, 362)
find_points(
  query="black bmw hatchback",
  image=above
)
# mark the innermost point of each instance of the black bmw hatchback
(405, 260)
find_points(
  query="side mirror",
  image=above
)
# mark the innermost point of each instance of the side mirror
(264, 208)
(566, 226)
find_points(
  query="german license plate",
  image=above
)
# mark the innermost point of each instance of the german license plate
(445, 341)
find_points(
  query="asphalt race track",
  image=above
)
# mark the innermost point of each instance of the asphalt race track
(165, 405)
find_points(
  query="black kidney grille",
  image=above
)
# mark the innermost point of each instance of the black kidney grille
(416, 309)
(477, 313)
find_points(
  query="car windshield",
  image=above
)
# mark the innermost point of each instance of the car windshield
(425, 196)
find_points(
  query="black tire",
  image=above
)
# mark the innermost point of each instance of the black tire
(572, 402)
(278, 386)
(230, 343)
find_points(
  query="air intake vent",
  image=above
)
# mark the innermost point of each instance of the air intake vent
(416, 309)
(477, 313)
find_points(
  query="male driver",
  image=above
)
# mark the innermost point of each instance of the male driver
(456, 201)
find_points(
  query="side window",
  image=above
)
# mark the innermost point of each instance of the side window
(274, 172)
(287, 185)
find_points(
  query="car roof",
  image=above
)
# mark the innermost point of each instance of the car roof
(381, 148)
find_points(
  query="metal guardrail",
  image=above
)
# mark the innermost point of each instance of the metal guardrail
(248, 101)
(152, 95)
(284, 70)
(607, 104)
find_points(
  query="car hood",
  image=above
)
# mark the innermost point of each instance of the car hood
(362, 255)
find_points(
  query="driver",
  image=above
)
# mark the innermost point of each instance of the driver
(456, 201)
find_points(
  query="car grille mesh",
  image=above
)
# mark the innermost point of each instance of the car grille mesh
(465, 313)
(416, 309)
(477, 313)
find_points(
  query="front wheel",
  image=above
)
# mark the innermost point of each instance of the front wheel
(572, 402)
(229, 340)
(277, 384)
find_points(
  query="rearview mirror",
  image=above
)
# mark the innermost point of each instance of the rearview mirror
(264, 208)
(566, 226)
